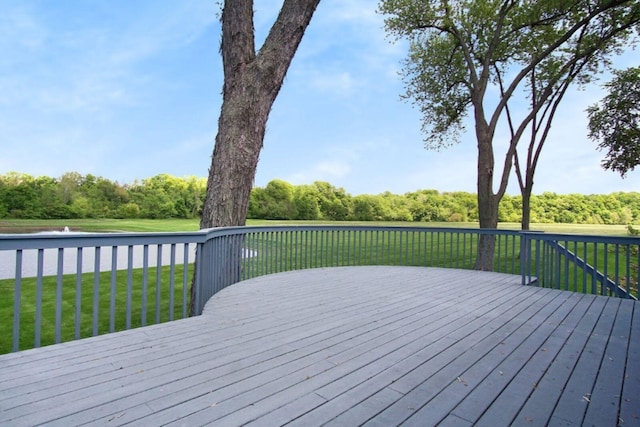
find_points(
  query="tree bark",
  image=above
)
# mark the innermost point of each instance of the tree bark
(487, 201)
(251, 83)
(525, 224)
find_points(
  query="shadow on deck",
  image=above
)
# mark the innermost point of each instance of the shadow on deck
(349, 346)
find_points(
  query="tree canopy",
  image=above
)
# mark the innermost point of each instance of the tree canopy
(614, 122)
(480, 56)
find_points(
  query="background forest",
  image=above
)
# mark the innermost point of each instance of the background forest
(164, 196)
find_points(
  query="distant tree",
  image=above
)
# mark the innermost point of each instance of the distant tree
(22, 200)
(460, 50)
(614, 122)
(279, 200)
(252, 81)
(371, 208)
(306, 202)
(425, 205)
(69, 185)
(398, 207)
(335, 203)
(51, 205)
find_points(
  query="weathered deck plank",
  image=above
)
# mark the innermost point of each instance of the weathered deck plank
(349, 346)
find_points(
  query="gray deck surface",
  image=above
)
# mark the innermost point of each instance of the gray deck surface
(349, 346)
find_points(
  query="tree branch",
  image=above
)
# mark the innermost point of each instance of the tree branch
(536, 60)
(283, 40)
(237, 31)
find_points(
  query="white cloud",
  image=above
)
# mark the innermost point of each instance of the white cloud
(19, 31)
(339, 164)
(326, 170)
(334, 168)
(341, 83)
(94, 63)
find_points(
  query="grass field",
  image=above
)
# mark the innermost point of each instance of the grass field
(169, 225)
(133, 304)
(125, 300)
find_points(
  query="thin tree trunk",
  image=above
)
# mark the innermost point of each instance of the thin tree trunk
(526, 208)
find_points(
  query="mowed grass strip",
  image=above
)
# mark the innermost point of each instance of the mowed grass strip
(170, 225)
(77, 320)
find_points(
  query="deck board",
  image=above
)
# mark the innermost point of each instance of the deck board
(630, 399)
(349, 346)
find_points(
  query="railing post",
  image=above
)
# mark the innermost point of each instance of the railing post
(198, 277)
(524, 257)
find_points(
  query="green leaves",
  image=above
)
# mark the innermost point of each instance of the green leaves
(615, 122)
(458, 49)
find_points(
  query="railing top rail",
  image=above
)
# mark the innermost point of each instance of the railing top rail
(213, 232)
(621, 240)
(76, 240)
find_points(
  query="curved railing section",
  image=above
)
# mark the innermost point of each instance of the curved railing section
(68, 286)
(242, 253)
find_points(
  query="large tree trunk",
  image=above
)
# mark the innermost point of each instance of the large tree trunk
(251, 84)
(487, 201)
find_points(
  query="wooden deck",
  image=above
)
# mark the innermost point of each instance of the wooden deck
(349, 346)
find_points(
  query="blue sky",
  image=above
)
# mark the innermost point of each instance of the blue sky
(127, 89)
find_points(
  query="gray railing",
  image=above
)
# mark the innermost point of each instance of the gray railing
(603, 265)
(69, 286)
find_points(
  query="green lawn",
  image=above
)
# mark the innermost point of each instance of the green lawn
(169, 225)
(163, 302)
(97, 225)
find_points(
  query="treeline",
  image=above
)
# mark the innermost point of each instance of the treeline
(164, 196)
(321, 200)
(77, 196)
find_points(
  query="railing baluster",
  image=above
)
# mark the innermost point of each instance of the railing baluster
(185, 279)
(60, 271)
(605, 268)
(584, 275)
(575, 268)
(594, 282)
(129, 286)
(145, 284)
(158, 281)
(628, 268)
(199, 278)
(172, 280)
(38, 319)
(457, 250)
(637, 265)
(565, 269)
(617, 264)
(78, 313)
(17, 301)
(112, 299)
(265, 241)
(96, 289)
